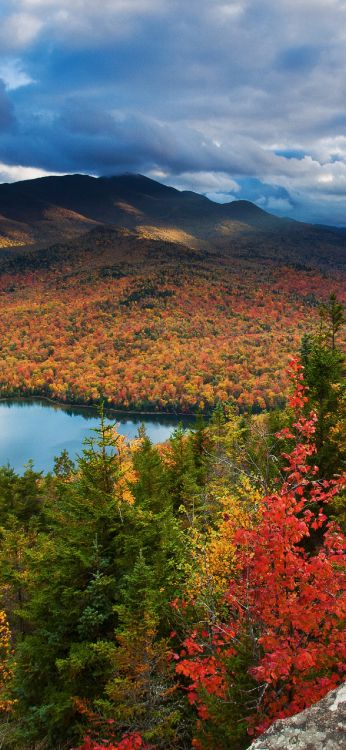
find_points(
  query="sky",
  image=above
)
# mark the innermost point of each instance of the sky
(236, 99)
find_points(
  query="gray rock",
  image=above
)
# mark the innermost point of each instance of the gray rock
(320, 727)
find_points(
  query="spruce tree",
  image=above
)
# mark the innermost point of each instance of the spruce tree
(73, 585)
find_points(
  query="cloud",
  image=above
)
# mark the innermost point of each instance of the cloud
(13, 74)
(231, 98)
(79, 23)
(18, 173)
(216, 183)
(19, 30)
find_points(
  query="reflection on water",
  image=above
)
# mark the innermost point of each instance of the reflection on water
(39, 430)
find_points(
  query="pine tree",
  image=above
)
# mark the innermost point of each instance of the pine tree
(324, 376)
(183, 475)
(332, 319)
(72, 586)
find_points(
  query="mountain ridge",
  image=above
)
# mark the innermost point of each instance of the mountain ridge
(121, 200)
(39, 213)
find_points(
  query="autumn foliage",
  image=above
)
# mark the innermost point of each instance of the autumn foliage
(5, 669)
(129, 742)
(283, 608)
(173, 596)
(151, 325)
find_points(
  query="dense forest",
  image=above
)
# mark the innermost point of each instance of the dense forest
(188, 594)
(151, 325)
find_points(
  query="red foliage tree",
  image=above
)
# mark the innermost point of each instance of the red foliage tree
(129, 742)
(284, 605)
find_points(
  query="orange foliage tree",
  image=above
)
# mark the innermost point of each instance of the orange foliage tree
(5, 669)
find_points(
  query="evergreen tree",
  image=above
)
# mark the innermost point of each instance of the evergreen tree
(153, 532)
(73, 583)
(184, 480)
(332, 319)
(150, 489)
(140, 697)
(21, 497)
(324, 377)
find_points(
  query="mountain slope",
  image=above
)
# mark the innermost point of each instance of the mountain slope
(156, 325)
(125, 200)
(41, 212)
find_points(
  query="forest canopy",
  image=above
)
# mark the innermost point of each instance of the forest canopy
(150, 325)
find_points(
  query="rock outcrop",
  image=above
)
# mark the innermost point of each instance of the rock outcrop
(320, 727)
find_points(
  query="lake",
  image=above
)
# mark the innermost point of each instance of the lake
(39, 430)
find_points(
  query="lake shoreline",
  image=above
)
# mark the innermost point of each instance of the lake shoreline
(38, 429)
(77, 405)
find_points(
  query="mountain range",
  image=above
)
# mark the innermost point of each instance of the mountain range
(41, 212)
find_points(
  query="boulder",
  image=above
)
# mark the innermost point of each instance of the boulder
(320, 727)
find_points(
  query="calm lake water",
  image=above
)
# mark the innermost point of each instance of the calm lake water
(37, 430)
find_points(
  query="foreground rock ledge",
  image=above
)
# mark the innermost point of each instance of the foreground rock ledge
(320, 727)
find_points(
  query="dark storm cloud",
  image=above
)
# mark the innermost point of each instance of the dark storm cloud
(232, 98)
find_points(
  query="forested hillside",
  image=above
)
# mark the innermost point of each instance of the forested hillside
(149, 324)
(165, 301)
(179, 596)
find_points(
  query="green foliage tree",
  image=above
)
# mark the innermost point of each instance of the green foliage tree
(108, 554)
(332, 318)
(21, 497)
(71, 588)
(184, 476)
(324, 366)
